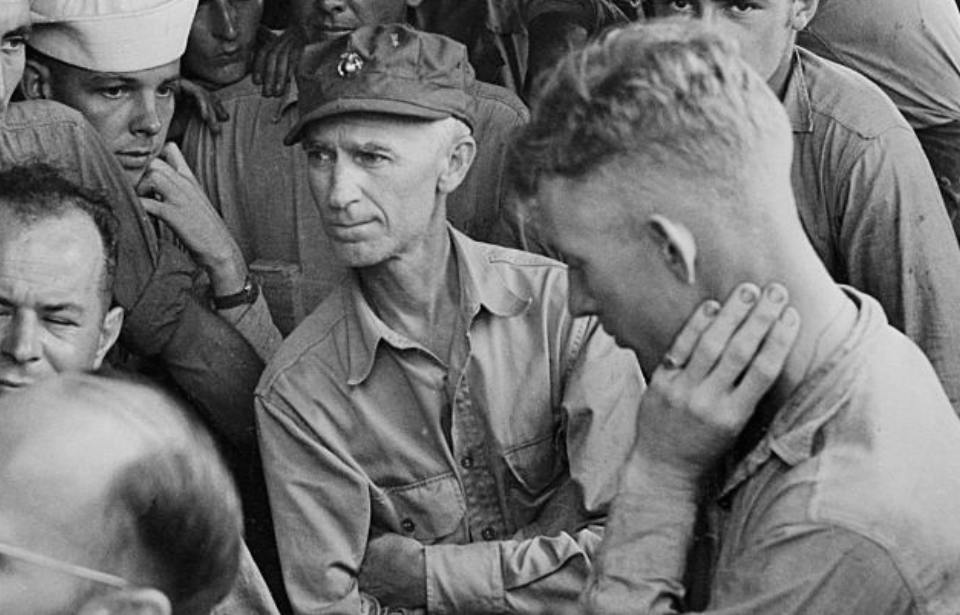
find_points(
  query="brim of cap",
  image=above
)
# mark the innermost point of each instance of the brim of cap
(344, 106)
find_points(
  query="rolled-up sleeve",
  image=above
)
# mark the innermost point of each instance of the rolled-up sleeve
(545, 573)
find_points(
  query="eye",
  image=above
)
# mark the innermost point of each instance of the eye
(680, 6)
(317, 155)
(114, 91)
(58, 321)
(369, 158)
(742, 8)
(13, 43)
(168, 89)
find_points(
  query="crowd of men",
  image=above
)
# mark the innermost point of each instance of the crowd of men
(360, 307)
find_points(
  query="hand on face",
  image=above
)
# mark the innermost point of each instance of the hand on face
(706, 388)
(170, 191)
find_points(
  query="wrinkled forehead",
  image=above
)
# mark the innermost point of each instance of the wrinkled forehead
(14, 15)
(382, 126)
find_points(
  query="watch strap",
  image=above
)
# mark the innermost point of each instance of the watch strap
(245, 296)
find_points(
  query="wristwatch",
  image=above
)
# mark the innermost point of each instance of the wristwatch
(245, 296)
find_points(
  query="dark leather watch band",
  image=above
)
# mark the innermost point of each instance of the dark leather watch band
(245, 296)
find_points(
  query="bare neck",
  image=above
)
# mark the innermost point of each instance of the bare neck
(418, 293)
(826, 312)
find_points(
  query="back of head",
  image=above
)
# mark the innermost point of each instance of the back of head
(672, 97)
(171, 502)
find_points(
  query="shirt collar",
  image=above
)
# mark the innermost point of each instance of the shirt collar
(792, 435)
(480, 287)
(796, 98)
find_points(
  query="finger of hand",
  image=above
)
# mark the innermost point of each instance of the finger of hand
(152, 206)
(279, 75)
(766, 367)
(746, 342)
(172, 155)
(260, 60)
(714, 340)
(220, 111)
(686, 340)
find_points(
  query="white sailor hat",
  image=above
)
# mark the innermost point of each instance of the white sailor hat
(112, 35)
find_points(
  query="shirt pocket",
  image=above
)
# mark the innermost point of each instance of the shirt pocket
(534, 469)
(428, 511)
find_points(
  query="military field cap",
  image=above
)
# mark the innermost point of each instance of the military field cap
(112, 35)
(392, 69)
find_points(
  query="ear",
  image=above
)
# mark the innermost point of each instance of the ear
(459, 158)
(35, 83)
(133, 601)
(109, 332)
(677, 247)
(802, 11)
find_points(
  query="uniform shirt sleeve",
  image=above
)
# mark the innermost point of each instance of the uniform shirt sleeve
(544, 567)
(321, 547)
(794, 570)
(898, 246)
(255, 324)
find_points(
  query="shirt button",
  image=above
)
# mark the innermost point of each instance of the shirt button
(467, 462)
(488, 533)
(408, 525)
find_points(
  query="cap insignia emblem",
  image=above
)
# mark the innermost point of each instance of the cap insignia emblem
(350, 65)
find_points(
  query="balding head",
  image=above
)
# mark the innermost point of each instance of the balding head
(113, 476)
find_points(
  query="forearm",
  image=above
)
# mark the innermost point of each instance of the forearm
(539, 575)
(641, 562)
(255, 324)
(211, 362)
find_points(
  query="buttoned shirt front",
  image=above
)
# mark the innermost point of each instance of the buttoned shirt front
(261, 189)
(870, 206)
(501, 460)
(847, 505)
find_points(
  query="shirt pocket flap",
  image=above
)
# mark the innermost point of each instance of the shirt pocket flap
(428, 510)
(536, 465)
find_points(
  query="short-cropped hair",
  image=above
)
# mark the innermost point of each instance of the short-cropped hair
(37, 192)
(670, 94)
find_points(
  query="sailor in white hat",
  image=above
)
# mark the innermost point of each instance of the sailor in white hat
(116, 61)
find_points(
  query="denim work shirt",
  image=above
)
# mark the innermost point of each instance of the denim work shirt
(847, 506)
(502, 463)
(870, 206)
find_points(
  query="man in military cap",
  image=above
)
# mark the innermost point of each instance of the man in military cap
(260, 189)
(439, 434)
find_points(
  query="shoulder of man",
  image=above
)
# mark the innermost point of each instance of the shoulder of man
(848, 98)
(313, 342)
(496, 105)
(36, 113)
